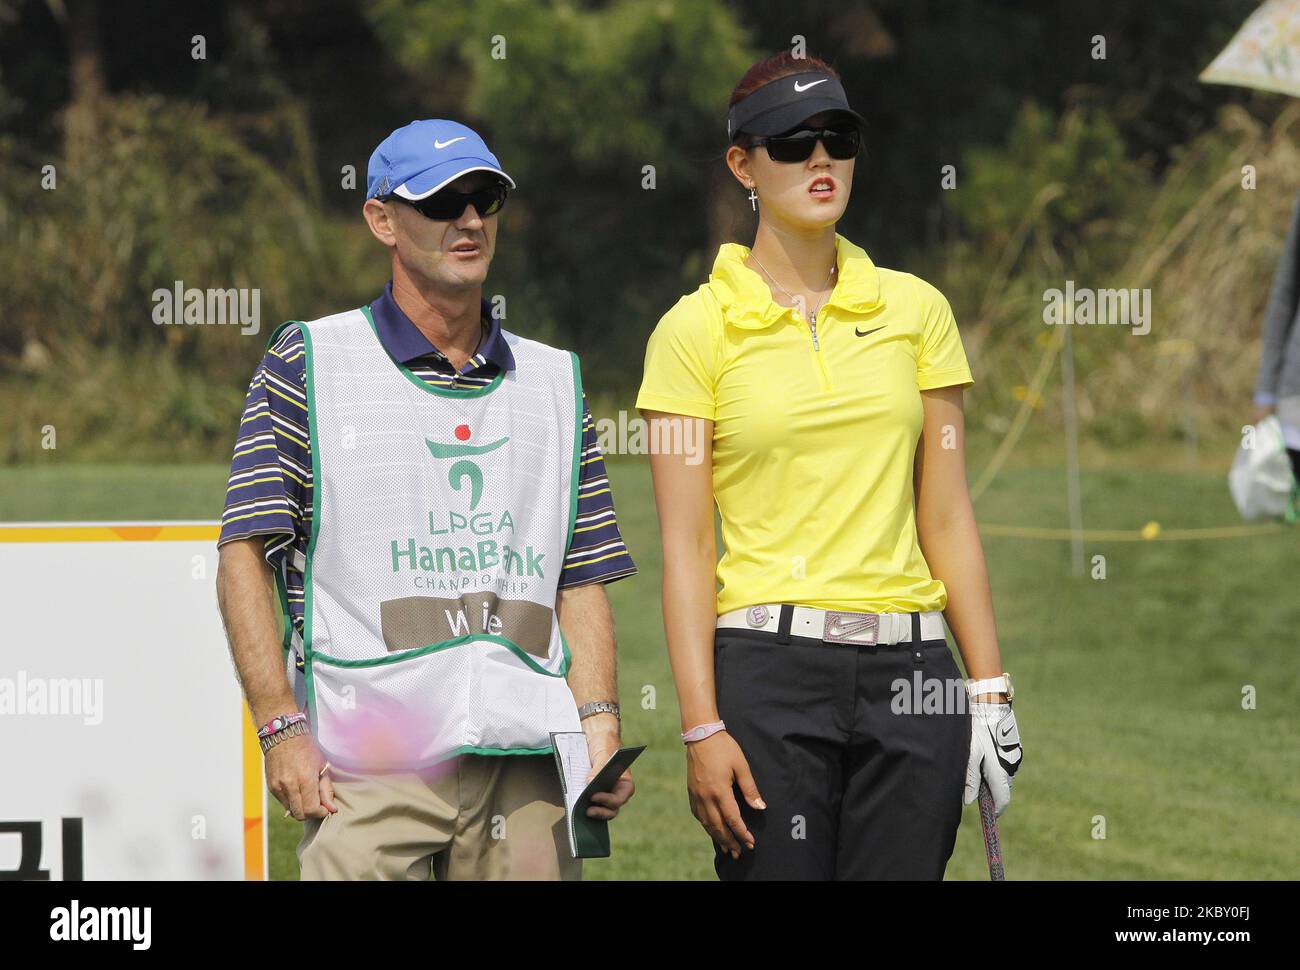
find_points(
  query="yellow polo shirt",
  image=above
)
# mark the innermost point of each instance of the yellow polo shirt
(812, 445)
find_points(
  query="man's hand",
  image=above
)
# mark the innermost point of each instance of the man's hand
(713, 766)
(602, 742)
(293, 773)
(246, 595)
(588, 625)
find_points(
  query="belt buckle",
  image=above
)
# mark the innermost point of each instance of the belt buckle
(860, 628)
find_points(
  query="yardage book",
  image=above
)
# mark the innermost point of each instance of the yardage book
(588, 837)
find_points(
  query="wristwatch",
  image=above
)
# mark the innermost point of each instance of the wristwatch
(991, 685)
(296, 729)
(598, 707)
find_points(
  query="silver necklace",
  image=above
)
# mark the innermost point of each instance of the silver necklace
(812, 316)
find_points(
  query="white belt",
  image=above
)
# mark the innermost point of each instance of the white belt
(835, 626)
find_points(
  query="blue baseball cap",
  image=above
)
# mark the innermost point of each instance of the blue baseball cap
(419, 159)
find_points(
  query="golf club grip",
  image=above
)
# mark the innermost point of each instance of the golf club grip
(992, 841)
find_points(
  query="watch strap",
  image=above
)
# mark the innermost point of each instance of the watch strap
(598, 707)
(990, 685)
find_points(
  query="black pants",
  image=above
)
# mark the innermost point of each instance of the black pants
(854, 789)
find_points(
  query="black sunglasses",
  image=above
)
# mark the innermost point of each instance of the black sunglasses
(448, 204)
(798, 147)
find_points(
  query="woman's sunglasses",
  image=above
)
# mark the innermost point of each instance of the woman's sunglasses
(798, 147)
(448, 204)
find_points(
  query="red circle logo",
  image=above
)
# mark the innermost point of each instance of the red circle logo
(462, 432)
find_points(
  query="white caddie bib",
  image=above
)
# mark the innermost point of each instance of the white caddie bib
(440, 523)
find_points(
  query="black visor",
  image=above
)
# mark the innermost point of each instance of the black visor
(780, 105)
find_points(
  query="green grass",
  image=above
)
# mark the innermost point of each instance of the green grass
(1129, 688)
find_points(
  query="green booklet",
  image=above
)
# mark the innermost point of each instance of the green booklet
(588, 837)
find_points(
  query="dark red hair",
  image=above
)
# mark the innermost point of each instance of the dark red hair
(768, 70)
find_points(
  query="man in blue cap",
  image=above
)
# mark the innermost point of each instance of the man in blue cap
(423, 492)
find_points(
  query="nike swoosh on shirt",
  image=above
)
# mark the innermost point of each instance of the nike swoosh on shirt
(444, 144)
(810, 84)
(863, 333)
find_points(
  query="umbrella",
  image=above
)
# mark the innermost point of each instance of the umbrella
(1265, 53)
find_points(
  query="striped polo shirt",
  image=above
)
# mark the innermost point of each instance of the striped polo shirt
(270, 486)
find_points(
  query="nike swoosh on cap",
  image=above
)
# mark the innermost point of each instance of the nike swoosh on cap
(444, 144)
(810, 84)
(863, 333)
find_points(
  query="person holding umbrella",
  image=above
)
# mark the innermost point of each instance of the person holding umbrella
(1277, 388)
(830, 393)
(1264, 55)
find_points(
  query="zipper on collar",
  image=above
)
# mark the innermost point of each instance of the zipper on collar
(823, 373)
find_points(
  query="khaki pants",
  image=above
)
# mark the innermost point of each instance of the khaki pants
(475, 817)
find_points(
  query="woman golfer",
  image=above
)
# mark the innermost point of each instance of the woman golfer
(827, 726)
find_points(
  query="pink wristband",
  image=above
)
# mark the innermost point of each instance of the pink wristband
(702, 731)
(279, 723)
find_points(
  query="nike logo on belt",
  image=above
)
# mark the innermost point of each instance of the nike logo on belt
(863, 333)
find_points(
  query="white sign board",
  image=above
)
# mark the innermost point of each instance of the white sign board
(126, 750)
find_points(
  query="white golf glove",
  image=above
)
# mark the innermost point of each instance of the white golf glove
(995, 752)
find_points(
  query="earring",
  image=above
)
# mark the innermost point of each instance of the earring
(753, 199)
